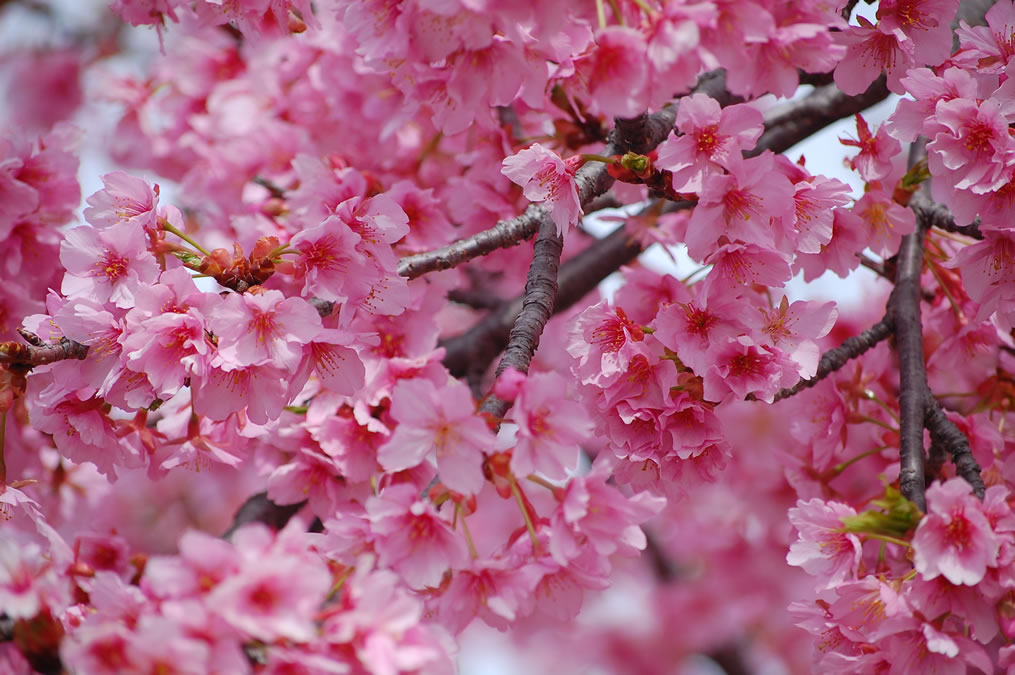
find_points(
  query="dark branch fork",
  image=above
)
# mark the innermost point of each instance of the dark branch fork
(918, 407)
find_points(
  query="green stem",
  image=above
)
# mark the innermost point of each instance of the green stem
(645, 7)
(592, 157)
(839, 468)
(616, 12)
(890, 540)
(873, 420)
(465, 531)
(601, 13)
(279, 251)
(169, 227)
(516, 491)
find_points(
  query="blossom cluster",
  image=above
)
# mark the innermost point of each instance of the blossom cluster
(242, 333)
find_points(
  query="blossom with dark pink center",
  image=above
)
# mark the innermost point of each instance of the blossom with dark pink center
(107, 265)
(275, 597)
(740, 205)
(885, 221)
(870, 50)
(604, 342)
(412, 538)
(442, 422)
(615, 72)
(743, 367)
(973, 146)
(264, 329)
(329, 265)
(550, 427)
(545, 177)
(877, 151)
(954, 539)
(710, 137)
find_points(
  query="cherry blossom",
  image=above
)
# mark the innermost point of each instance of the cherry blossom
(440, 424)
(955, 539)
(308, 383)
(546, 177)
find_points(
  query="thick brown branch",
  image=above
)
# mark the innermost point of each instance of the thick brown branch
(470, 353)
(789, 124)
(537, 308)
(904, 306)
(39, 352)
(836, 358)
(938, 215)
(886, 270)
(904, 309)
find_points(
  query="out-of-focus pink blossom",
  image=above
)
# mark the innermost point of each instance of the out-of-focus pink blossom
(823, 549)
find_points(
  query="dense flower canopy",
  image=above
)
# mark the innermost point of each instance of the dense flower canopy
(319, 377)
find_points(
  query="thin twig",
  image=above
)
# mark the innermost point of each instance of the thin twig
(788, 124)
(946, 436)
(836, 358)
(641, 134)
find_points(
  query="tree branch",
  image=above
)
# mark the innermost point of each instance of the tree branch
(39, 352)
(787, 125)
(834, 359)
(947, 437)
(938, 215)
(904, 308)
(641, 134)
(537, 308)
(471, 353)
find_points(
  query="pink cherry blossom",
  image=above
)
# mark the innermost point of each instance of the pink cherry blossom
(411, 537)
(264, 329)
(874, 161)
(710, 137)
(273, 597)
(615, 72)
(550, 427)
(442, 422)
(869, 51)
(106, 265)
(545, 177)
(824, 549)
(954, 539)
(884, 222)
(926, 22)
(989, 274)
(740, 206)
(973, 145)
(987, 48)
(604, 342)
(124, 199)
